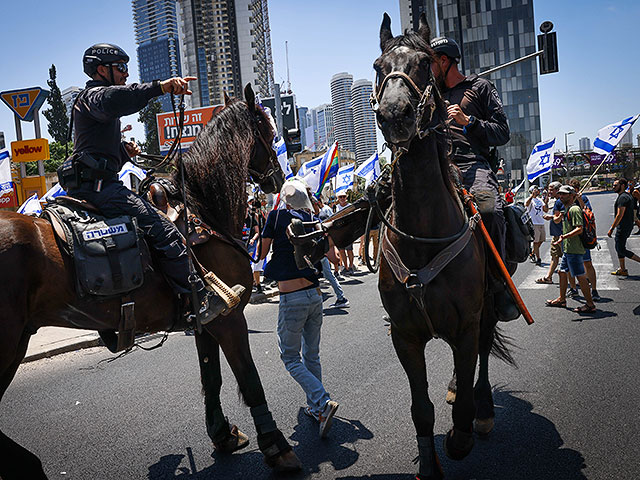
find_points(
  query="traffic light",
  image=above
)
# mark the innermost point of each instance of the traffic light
(548, 43)
(292, 140)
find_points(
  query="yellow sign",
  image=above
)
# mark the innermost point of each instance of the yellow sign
(30, 150)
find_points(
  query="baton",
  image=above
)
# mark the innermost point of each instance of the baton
(501, 266)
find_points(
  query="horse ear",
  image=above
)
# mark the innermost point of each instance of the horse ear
(250, 97)
(385, 31)
(226, 99)
(423, 28)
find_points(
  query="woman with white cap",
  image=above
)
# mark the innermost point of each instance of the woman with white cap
(300, 306)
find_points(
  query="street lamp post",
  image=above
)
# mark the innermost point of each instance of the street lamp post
(566, 146)
(566, 151)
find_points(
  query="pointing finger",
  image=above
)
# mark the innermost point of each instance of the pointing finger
(188, 79)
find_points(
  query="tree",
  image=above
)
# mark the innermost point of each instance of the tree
(56, 115)
(148, 118)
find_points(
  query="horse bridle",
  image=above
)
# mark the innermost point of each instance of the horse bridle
(426, 99)
(273, 160)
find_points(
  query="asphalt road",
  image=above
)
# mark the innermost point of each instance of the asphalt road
(568, 412)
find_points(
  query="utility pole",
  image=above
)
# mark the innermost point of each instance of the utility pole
(286, 49)
(278, 112)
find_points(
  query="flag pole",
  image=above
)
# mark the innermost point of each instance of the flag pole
(594, 172)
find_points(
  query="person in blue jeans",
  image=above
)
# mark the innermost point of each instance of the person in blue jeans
(300, 306)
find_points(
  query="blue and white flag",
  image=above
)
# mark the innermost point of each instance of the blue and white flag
(6, 182)
(31, 206)
(370, 169)
(54, 192)
(310, 173)
(281, 150)
(609, 136)
(129, 169)
(344, 179)
(541, 159)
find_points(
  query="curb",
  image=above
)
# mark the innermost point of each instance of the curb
(82, 344)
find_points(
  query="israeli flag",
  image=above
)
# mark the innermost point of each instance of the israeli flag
(128, 169)
(31, 206)
(370, 169)
(6, 182)
(54, 192)
(344, 179)
(609, 136)
(541, 159)
(311, 173)
(281, 150)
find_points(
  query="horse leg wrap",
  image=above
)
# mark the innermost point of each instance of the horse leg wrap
(230, 297)
(270, 440)
(426, 455)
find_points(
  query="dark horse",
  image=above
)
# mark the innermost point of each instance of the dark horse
(428, 219)
(216, 169)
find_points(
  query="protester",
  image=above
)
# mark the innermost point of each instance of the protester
(583, 202)
(555, 229)
(346, 254)
(572, 258)
(623, 221)
(324, 212)
(300, 306)
(509, 196)
(534, 206)
(253, 222)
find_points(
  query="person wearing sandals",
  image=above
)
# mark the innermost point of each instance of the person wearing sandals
(572, 258)
(555, 229)
(623, 224)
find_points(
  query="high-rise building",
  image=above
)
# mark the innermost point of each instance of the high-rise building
(584, 144)
(324, 129)
(491, 33)
(226, 44)
(69, 96)
(364, 120)
(156, 30)
(342, 113)
(410, 11)
(627, 139)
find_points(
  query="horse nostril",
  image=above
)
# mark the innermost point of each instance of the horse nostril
(408, 111)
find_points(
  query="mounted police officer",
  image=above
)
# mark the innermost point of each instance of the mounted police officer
(99, 154)
(478, 124)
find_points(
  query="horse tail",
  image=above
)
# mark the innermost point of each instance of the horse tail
(501, 347)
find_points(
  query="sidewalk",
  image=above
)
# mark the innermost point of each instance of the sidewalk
(50, 341)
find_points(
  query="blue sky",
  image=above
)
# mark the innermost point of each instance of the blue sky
(597, 42)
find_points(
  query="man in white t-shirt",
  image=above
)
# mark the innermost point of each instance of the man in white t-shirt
(535, 206)
(346, 254)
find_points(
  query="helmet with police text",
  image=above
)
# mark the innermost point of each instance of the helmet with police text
(102, 54)
(446, 46)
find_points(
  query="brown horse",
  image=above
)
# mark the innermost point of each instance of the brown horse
(428, 231)
(236, 141)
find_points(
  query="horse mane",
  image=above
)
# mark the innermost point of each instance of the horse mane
(216, 167)
(410, 39)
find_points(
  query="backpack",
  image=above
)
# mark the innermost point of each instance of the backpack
(588, 236)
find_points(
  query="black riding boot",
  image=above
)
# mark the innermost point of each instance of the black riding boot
(504, 304)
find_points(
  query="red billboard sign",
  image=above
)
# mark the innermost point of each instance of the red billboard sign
(194, 121)
(8, 198)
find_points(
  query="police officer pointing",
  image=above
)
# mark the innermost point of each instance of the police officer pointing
(99, 154)
(478, 123)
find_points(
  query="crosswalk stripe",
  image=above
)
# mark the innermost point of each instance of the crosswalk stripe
(602, 263)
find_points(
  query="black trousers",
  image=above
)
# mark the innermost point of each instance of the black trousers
(162, 236)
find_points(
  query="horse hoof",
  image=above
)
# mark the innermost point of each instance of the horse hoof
(483, 426)
(236, 440)
(285, 462)
(457, 444)
(451, 397)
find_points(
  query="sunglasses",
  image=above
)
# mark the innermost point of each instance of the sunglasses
(121, 67)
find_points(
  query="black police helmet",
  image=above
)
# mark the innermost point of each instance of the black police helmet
(446, 46)
(101, 54)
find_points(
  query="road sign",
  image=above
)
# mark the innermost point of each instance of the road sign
(30, 150)
(25, 102)
(194, 121)
(289, 116)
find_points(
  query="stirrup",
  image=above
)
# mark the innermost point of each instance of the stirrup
(230, 295)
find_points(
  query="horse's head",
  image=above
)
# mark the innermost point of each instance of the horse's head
(406, 96)
(263, 164)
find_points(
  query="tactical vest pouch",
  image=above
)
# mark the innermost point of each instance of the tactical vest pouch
(519, 233)
(107, 255)
(69, 173)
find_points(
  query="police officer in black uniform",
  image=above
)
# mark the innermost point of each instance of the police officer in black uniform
(99, 154)
(478, 123)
